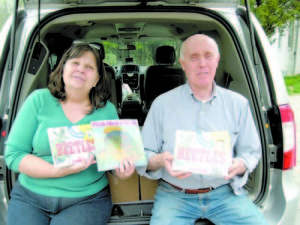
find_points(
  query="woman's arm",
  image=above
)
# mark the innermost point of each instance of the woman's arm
(18, 152)
(36, 167)
(19, 142)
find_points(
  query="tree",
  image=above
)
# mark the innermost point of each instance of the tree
(274, 14)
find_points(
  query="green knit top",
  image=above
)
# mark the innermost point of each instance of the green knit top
(28, 135)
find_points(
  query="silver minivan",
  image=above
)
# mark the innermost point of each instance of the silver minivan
(35, 37)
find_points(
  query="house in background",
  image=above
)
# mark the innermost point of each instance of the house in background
(287, 49)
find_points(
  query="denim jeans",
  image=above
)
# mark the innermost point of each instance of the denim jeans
(220, 206)
(29, 208)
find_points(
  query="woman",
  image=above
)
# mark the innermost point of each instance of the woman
(77, 94)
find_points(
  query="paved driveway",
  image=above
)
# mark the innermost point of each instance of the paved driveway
(295, 103)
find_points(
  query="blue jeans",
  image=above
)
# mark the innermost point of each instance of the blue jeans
(29, 208)
(220, 206)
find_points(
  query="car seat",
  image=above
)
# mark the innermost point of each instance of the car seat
(162, 77)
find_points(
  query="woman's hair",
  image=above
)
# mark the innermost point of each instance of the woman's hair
(99, 94)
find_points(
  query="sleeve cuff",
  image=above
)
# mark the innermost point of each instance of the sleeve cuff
(14, 166)
(250, 165)
(238, 182)
(151, 174)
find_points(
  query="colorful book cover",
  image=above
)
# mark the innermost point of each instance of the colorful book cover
(206, 153)
(116, 140)
(70, 145)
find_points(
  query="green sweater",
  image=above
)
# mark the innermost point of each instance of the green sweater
(28, 135)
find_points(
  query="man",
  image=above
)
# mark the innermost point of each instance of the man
(200, 105)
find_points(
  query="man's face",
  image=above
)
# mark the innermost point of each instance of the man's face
(200, 61)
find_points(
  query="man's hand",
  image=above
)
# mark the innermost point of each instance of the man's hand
(237, 168)
(167, 163)
(125, 170)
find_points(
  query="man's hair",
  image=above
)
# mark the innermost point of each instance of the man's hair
(99, 94)
(201, 36)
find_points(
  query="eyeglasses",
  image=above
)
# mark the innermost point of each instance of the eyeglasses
(98, 47)
(95, 46)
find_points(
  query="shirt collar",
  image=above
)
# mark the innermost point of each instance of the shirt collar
(214, 94)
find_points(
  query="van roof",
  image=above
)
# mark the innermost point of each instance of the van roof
(60, 4)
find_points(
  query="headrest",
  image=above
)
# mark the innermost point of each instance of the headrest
(102, 50)
(165, 55)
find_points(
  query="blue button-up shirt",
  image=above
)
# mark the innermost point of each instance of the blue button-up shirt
(178, 109)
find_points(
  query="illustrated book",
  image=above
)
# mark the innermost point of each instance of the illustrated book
(70, 145)
(116, 140)
(206, 153)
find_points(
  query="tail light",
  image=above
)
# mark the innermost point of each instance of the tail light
(289, 136)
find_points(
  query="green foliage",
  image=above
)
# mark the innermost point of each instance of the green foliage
(275, 13)
(292, 84)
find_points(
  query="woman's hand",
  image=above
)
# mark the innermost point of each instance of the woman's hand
(64, 171)
(125, 170)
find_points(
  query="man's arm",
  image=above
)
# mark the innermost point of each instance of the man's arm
(237, 168)
(248, 147)
(152, 140)
(164, 160)
(152, 135)
(156, 162)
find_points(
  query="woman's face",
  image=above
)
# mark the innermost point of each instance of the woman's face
(81, 73)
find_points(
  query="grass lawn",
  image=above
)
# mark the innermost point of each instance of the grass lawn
(292, 84)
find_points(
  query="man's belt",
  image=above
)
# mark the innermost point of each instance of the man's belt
(191, 191)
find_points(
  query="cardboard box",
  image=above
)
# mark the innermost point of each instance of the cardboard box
(124, 190)
(148, 188)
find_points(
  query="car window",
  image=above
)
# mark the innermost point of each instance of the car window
(144, 55)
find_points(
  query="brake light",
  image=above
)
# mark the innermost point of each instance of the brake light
(289, 136)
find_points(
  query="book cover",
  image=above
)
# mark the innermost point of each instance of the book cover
(206, 153)
(70, 145)
(116, 140)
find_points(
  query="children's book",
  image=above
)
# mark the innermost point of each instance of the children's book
(206, 153)
(116, 140)
(70, 145)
